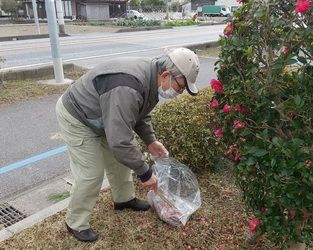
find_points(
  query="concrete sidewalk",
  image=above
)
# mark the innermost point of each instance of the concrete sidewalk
(35, 196)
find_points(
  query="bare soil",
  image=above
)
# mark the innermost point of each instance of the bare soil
(30, 29)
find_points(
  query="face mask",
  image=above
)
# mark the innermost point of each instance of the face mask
(168, 94)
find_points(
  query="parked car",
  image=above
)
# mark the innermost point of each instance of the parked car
(134, 14)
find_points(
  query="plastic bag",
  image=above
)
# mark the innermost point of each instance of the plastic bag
(178, 193)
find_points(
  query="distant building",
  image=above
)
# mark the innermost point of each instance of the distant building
(198, 3)
(84, 10)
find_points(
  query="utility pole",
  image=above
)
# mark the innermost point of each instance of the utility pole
(54, 41)
(36, 15)
(60, 15)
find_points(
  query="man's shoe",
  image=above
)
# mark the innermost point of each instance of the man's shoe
(84, 235)
(134, 204)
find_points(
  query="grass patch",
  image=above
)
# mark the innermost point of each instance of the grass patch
(93, 23)
(221, 222)
(212, 52)
(56, 197)
(181, 23)
(23, 90)
(137, 23)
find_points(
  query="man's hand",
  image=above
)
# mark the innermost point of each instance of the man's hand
(151, 184)
(157, 149)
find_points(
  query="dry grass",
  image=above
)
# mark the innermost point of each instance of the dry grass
(212, 52)
(225, 225)
(17, 91)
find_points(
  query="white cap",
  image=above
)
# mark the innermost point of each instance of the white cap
(188, 64)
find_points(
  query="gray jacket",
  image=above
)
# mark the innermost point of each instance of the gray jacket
(114, 99)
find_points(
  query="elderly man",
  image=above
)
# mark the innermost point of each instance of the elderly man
(98, 116)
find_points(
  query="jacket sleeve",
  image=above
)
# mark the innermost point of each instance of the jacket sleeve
(120, 110)
(144, 129)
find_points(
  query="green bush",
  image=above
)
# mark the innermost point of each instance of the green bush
(137, 23)
(180, 23)
(95, 23)
(186, 126)
(266, 104)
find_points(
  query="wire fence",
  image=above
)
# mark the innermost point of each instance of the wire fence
(161, 13)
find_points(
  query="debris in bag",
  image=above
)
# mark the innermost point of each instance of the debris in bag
(178, 194)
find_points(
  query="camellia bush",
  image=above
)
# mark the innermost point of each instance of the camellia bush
(186, 126)
(264, 97)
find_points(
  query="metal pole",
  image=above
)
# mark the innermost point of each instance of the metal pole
(36, 16)
(167, 14)
(54, 41)
(60, 15)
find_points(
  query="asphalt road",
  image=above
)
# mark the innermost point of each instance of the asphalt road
(31, 151)
(89, 49)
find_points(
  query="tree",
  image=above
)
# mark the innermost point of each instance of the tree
(12, 7)
(134, 4)
(264, 93)
(148, 5)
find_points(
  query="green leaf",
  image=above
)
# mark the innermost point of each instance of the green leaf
(273, 183)
(291, 195)
(309, 196)
(277, 141)
(250, 161)
(310, 49)
(302, 59)
(260, 153)
(291, 61)
(273, 162)
(297, 100)
(277, 178)
(277, 66)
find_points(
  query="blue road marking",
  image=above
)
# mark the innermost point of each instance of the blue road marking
(32, 159)
(63, 55)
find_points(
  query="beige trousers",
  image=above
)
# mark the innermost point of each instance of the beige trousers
(90, 157)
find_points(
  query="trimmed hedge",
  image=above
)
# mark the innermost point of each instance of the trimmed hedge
(186, 126)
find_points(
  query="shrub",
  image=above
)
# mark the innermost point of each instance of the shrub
(137, 23)
(266, 81)
(186, 126)
(181, 23)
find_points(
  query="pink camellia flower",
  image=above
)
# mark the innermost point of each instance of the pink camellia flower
(286, 49)
(240, 109)
(184, 233)
(242, 139)
(239, 124)
(302, 6)
(292, 214)
(243, 110)
(227, 108)
(229, 29)
(237, 157)
(214, 104)
(252, 225)
(217, 86)
(239, 1)
(230, 151)
(203, 219)
(219, 133)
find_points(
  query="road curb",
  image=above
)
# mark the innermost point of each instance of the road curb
(39, 216)
(38, 72)
(32, 220)
(26, 37)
